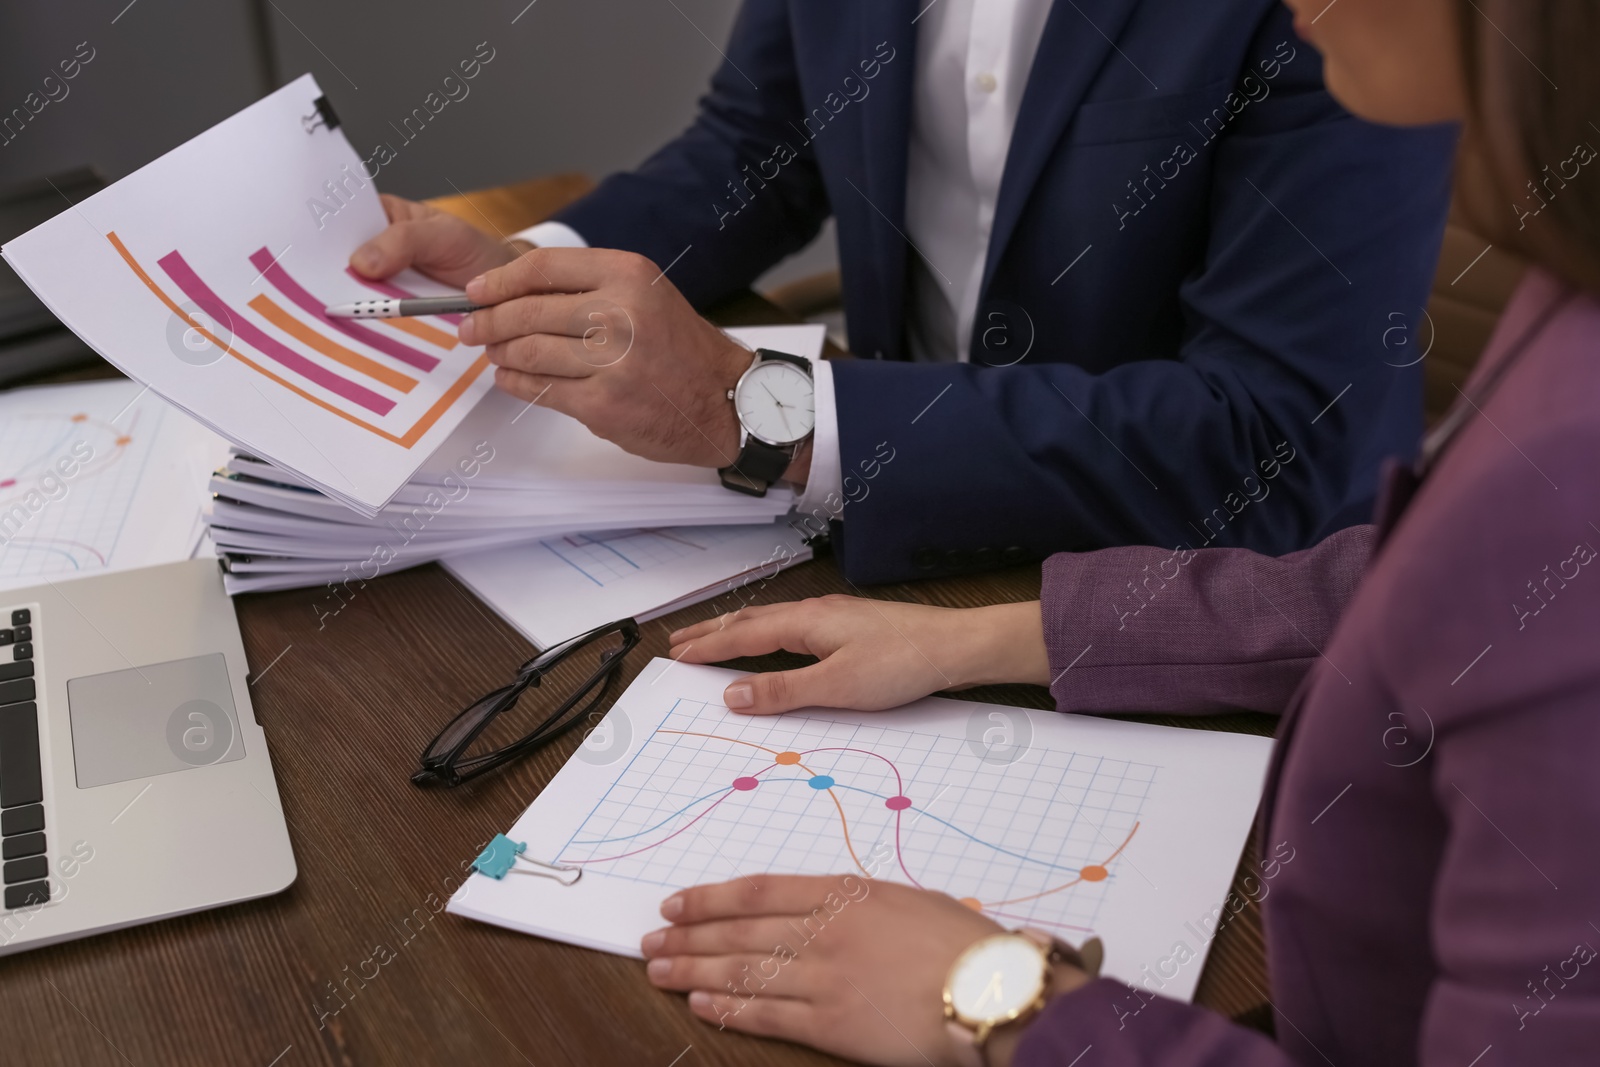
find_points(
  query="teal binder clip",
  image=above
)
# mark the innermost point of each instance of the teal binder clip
(500, 856)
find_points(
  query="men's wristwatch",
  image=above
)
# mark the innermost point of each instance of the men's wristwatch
(775, 401)
(1005, 978)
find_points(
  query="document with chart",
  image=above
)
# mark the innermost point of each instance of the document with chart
(97, 477)
(1077, 825)
(205, 273)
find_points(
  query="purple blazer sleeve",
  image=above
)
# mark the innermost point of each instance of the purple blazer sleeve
(1164, 1032)
(1193, 631)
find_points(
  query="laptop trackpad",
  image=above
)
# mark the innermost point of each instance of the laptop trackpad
(153, 720)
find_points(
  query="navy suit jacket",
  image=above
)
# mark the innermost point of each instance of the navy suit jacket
(1195, 307)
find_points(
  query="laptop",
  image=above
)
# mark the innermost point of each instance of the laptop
(135, 783)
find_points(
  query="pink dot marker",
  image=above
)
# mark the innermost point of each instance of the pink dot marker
(745, 784)
(897, 803)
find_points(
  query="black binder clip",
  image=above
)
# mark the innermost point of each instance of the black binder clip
(324, 116)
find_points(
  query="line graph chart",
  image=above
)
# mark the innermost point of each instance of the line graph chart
(50, 524)
(707, 797)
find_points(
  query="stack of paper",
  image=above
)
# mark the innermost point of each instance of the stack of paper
(510, 473)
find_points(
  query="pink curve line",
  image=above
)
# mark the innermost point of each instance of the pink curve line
(664, 840)
(845, 823)
(396, 293)
(198, 291)
(262, 260)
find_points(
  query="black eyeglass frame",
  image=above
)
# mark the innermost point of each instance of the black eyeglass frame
(441, 760)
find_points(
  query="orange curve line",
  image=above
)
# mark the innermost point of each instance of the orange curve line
(406, 440)
(843, 822)
(1065, 885)
(292, 326)
(422, 331)
(719, 737)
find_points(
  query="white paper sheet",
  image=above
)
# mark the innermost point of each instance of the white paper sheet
(560, 587)
(1074, 824)
(240, 236)
(97, 477)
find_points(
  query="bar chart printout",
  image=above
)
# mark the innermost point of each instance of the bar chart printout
(205, 275)
(1032, 818)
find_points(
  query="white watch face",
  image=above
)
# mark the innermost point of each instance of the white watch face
(776, 402)
(996, 978)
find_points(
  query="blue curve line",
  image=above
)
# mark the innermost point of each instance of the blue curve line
(657, 826)
(30, 546)
(837, 785)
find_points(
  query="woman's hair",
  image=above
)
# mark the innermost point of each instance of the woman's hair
(1532, 143)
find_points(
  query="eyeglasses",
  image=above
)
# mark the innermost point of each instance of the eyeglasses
(493, 730)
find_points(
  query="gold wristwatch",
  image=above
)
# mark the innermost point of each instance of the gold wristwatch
(1002, 979)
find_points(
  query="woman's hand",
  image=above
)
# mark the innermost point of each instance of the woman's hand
(436, 243)
(875, 654)
(850, 965)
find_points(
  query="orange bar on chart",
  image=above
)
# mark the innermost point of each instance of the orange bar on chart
(263, 306)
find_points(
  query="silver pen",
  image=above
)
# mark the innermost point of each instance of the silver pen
(389, 308)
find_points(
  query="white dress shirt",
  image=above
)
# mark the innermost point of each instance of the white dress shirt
(973, 59)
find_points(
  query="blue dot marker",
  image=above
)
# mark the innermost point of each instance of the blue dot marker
(821, 781)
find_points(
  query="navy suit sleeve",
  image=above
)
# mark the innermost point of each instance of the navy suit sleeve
(682, 197)
(1321, 227)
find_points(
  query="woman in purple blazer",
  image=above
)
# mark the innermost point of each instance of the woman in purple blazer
(1437, 771)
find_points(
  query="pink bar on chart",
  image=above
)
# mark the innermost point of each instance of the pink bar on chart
(394, 292)
(198, 291)
(262, 260)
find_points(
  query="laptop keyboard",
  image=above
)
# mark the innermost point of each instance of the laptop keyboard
(23, 859)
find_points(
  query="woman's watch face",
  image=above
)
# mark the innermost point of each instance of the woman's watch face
(776, 402)
(996, 979)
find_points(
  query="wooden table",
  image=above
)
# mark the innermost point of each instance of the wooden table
(356, 963)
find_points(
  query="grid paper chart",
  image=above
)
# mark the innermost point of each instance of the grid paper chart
(604, 558)
(799, 794)
(1073, 823)
(77, 527)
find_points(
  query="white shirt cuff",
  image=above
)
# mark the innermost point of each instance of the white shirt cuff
(552, 235)
(823, 497)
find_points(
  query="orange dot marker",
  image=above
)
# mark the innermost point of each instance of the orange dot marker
(973, 902)
(786, 758)
(124, 439)
(1093, 873)
(80, 417)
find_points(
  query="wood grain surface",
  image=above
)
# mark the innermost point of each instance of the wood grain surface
(356, 963)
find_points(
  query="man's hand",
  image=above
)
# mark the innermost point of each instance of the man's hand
(875, 654)
(432, 242)
(851, 965)
(603, 336)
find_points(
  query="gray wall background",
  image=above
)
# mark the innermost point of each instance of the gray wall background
(574, 85)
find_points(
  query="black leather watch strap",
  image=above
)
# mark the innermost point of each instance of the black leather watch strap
(759, 464)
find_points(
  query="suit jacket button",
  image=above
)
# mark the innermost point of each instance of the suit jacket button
(925, 559)
(958, 559)
(1013, 554)
(985, 558)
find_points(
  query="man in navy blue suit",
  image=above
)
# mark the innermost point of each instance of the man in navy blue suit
(1115, 271)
